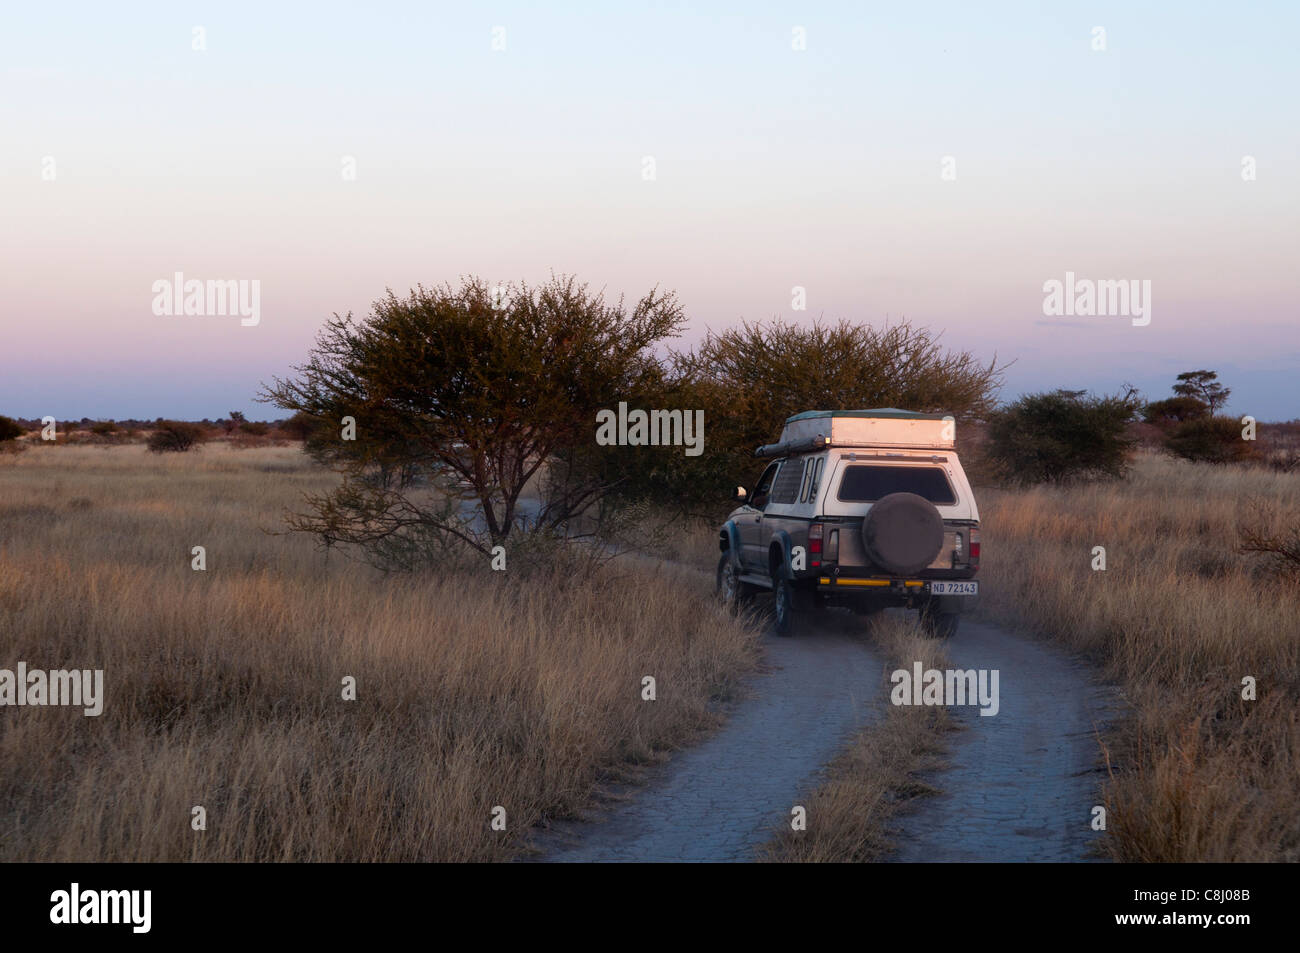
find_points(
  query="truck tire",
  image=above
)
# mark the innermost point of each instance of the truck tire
(731, 592)
(902, 533)
(789, 606)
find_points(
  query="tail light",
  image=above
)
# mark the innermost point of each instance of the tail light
(815, 543)
(975, 548)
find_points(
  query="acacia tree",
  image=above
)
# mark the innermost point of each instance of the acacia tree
(458, 397)
(175, 436)
(1203, 386)
(751, 378)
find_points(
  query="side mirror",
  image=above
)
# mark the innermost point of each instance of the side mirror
(741, 494)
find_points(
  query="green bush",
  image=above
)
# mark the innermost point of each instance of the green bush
(175, 436)
(10, 429)
(1210, 440)
(1175, 410)
(1062, 435)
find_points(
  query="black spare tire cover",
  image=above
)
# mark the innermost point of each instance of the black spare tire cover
(903, 533)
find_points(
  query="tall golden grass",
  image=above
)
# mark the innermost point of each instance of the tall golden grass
(224, 688)
(1178, 618)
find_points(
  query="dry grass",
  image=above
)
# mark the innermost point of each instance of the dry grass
(691, 542)
(224, 687)
(1178, 618)
(850, 814)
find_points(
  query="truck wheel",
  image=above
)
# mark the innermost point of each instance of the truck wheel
(903, 533)
(731, 592)
(788, 604)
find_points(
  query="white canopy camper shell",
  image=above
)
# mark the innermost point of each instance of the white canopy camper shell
(883, 427)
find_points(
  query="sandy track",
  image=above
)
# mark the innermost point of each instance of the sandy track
(1021, 784)
(721, 799)
(1018, 786)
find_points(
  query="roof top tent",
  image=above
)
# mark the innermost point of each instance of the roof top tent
(883, 427)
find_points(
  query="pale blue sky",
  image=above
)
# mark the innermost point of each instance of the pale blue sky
(775, 168)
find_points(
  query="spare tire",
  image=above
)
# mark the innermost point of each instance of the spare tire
(903, 533)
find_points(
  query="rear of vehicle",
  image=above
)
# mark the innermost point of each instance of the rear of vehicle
(865, 509)
(895, 519)
(897, 527)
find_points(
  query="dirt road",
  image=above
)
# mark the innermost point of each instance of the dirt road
(721, 799)
(1020, 785)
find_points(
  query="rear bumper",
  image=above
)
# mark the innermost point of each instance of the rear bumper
(875, 584)
(855, 577)
(888, 591)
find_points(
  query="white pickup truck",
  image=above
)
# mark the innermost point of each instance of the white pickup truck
(860, 508)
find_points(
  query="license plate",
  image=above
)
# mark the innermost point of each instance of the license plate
(954, 588)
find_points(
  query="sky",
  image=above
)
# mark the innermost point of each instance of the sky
(938, 162)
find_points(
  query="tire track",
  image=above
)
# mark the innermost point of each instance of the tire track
(1020, 784)
(721, 799)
